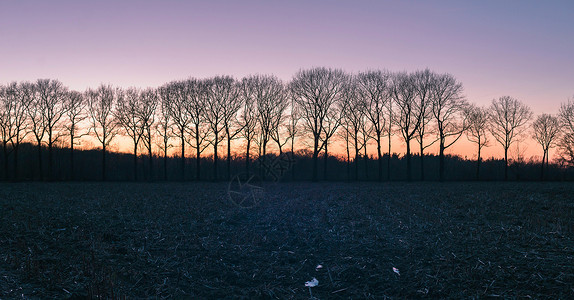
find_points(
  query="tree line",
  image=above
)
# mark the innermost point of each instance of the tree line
(318, 107)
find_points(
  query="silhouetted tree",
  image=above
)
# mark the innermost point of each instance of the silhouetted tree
(408, 115)
(195, 106)
(127, 113)
(316, 91)
(175, 94)
(163, 127)
(423, 83)
(101, 104)
(148, 102)
(14, 101)
(220, 92)
(477, 119)
(250, 89)
(354, 119)
(373, 87)
(76, 112)
(546, 130)
(293, 127)
(507, 117)
(566, 141)
(448, 107)
(231, 106)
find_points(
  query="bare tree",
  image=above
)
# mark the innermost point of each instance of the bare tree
(566, 141)
(408, 116)
(293, 127)
(127, 113)
(148, 102)
(231, 106)
(175, 94)
(546, 131)
(423, 83)
(317, 91)
(477, 119)
(279, 130)
(45, 113)
(373, 88)
(507, 117)
(270, 104)
(76, 112)
(448, 107)
(331, 124)
(250, 90)
(101, 104)
(221, 91)
(198, 130)
(353, 120)
(163, 127)
(13, 106)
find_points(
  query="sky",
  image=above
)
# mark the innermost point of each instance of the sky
(524, 49)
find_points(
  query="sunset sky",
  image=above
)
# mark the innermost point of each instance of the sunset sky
(524, 49)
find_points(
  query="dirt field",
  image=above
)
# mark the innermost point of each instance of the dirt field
(361, 241)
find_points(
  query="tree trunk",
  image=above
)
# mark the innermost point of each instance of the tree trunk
(182, 155)
(215, 157)
(505, 163)
(104, 178)
(247, 158)
(165, 164)
(356, 162)
(389, 160)
(441, 161)
(409, 175)
(40, 160)
(478, 162)
(5, 149)
(366, 160)
(150, 159)
(315, 157)
(542, 165)
(325, 157)
(72, 168)
(135, 162)
(228, 157)
(422, 161)
(380, 158)
(197, 154)
(348, 160)
(50, 159)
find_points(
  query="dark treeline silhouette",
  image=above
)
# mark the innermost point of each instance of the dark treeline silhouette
(299, 168)
(260, 116)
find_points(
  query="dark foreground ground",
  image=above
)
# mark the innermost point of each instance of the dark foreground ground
(453, 240)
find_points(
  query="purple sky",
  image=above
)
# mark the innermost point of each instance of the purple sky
(524, 49)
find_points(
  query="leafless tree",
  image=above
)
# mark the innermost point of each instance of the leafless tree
(101, 105)
(231, 105)
(127, 113)
(546, 130)
(373, 88)
(354, 119)
(250, 89)
(566, 141)
(279, 130)
(507, 118)
(293, 126)
(331, 124)
(14, 102)
(448, 107)
(45, 113)
(423, 83)
(175, 94)
(317, 91)
(198, 130)
(76, 112)
(163, 126)
(408, 115)
(220, 92)
(148, 102)
(477, 119)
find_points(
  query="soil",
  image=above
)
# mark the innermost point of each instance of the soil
(359, 240)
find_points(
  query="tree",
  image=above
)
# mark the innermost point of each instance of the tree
(163, 126)
(317, 91)
(507, 118)
(373, 88)
(423, 83)
(174, 93)
(448, 107)
(38, 123)
(408, 115)
(220, 92)
(477, 120)
(148, 102)
(14, 101)
(101, 104)
(127, 113)
(195, 106)
(231, 106)
(293, 127)
(354, 119)
(76, 112)
(250, 89)
(566, 141)
(546, 130)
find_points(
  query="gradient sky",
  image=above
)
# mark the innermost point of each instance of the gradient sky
(524, 49)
